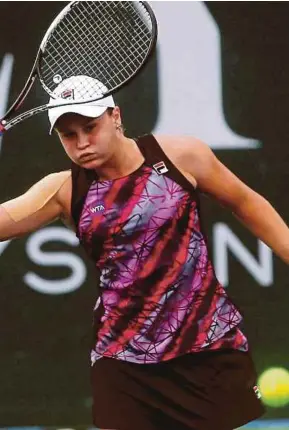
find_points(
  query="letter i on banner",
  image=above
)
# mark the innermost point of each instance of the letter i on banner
(189, 76)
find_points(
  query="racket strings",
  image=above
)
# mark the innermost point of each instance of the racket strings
(125, 37)
(60, 55)
(63, 58)
(114, 38)
(87, 51)
(107, 41)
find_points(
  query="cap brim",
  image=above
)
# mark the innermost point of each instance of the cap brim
(89, 111)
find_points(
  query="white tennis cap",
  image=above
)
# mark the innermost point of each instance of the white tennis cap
(77, 87)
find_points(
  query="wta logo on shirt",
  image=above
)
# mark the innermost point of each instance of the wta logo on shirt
(98, 208)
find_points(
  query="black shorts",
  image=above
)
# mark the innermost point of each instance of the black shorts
(200, 391)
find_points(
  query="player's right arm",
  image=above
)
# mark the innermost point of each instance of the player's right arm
(39, 206)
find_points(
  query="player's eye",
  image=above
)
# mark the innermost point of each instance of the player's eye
(68, 135)
(88, 128)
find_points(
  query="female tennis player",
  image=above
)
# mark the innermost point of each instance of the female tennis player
(167, 348)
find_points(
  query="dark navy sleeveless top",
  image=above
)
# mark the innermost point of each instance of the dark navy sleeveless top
(159, 296)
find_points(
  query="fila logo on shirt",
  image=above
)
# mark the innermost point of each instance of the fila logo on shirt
(257, 392)
(97, 208)
(160, 168)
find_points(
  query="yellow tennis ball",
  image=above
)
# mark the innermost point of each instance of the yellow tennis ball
(274, 387)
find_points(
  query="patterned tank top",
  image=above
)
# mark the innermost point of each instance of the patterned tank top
(159, 296)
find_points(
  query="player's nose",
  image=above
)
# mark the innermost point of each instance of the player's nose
(82, 141)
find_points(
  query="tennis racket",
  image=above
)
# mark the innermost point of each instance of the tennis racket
(109, 41)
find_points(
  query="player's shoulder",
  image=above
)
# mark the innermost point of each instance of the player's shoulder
(52, 183)
(58, 185)
(61, 176)
(182, 146)
(55, 179)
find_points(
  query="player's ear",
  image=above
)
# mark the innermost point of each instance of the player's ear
(116, 113)
(116, 116)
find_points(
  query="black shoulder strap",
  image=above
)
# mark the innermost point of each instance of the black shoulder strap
(81, 181)
(152, 151)
(156, 158)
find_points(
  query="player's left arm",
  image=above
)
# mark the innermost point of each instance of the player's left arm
(252, 209)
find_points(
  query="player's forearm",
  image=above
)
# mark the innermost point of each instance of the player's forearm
(259, 216)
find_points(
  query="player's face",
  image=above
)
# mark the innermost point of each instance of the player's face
(89, 142)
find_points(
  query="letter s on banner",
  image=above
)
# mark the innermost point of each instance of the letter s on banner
(75, 263)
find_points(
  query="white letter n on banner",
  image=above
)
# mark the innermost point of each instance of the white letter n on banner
(224, 240)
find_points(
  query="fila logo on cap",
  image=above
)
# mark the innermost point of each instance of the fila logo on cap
(67, 94)
(160, 168)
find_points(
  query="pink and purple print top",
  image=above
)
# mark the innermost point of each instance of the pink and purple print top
(159, 294)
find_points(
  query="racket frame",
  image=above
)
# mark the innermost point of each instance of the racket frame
(5, 124)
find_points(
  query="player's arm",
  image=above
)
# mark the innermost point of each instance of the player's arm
(253, 210)
(39, 206)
